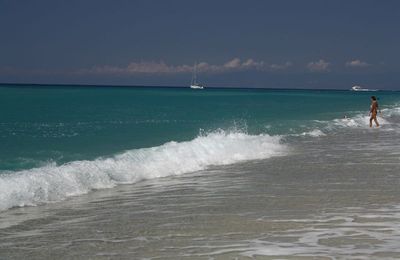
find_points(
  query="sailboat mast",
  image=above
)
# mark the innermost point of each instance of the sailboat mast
(191, 82)
(195, 73)
(194, 84)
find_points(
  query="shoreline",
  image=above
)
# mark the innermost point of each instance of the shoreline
(265, 208)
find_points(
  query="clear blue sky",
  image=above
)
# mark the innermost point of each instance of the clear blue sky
(305, 44)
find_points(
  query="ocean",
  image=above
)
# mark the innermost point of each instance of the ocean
(92, 172)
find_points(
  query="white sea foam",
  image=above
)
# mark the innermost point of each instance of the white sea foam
(362, 122)
(337, 233)
(389, 120)
(390, 112)
(313, 133)
(57, 182)
(357, 121)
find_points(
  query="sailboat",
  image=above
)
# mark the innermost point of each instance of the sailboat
(194, 84)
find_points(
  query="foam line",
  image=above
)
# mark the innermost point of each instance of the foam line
(57, 182)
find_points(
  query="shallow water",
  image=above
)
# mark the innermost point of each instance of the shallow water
(332, 197)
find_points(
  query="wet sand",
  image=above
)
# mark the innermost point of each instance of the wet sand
(332, 197)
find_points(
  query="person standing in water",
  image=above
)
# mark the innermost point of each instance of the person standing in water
(373, 111)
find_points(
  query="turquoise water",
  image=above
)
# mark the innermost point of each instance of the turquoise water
(58, 142)
(39, 125)
(170, 173)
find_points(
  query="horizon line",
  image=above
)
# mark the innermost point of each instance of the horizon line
(166, 86)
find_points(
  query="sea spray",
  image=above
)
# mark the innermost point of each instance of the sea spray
(57, 182)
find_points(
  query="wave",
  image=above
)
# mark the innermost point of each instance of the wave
(392, 112)
(358, 121)
(312, 133)
(56, 182)
(389, 120)
(387, 117)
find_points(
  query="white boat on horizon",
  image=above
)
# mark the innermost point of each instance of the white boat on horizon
(359, 88)
(194, 84)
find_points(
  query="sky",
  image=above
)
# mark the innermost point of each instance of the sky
(267, 44)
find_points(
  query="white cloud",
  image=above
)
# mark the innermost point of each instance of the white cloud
(151, 67)
(318, 66)
(142, 67)
(357, 64)
(233, 64)
(252, 63)
(281, 66)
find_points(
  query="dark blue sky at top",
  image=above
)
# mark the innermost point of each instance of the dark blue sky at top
(62, 41)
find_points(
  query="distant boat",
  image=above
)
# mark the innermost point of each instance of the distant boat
(194, 84)
(359, 88)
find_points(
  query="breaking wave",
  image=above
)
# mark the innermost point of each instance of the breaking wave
(57, 182)
(54, 182)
